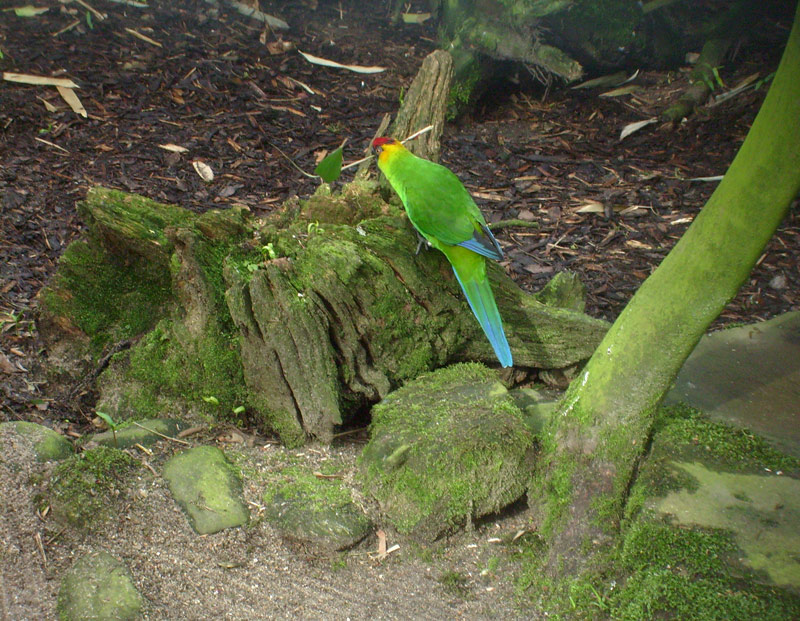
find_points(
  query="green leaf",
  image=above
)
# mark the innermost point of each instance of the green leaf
(331, 166)
(29, 11)
(239, 409)
(107, 418)
(211, 400)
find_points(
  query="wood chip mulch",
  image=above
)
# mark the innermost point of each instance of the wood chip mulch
(238, 97)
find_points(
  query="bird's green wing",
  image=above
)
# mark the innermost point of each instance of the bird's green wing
(440, 207)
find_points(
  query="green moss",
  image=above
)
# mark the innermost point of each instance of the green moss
(728, 447)
(320, 492)
(468, 75)
(686, 573)
(456, 584)
(82, 488)
(446, 446)
(106, 298)
(282, 422)
(663, 569)
(168, 364)
(659, 571)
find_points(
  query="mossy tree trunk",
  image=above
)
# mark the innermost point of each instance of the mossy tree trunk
(598, 434)
(349, 312)
(304, 319)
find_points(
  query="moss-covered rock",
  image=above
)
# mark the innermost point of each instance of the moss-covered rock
(48, 445)
(564, 290)
(208, 489)
(315, 510)
(85, 488)
(709, 533)
(445, 448)
(100, 587)
(144, 433)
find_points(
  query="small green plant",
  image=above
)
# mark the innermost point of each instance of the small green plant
(268, 251)
(314, 227)
(712, 84)
(331, 165)
(89, 20)
(212, 400)
(111, 424)
(46, 130)
(13, 322)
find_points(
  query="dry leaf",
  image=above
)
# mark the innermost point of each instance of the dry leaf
(144, 38)
(48, 106)
(635, 127)
(175, 148)
(29, 11)
(5, 365)
(592, 207)
(68, 95)
(204, 170)
(381, 543)
(619, 92)
(38, 80)
(415, 18)
(316, 60)
(321, 475)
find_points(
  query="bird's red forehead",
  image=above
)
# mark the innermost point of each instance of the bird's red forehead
(379, 142)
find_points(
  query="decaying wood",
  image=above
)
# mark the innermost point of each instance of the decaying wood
(703, 80)
(342, 314)
(425, 104)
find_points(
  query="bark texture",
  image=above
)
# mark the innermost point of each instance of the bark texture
(306, 318)
(425, 104)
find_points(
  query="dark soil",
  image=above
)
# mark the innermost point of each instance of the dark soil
(608, 209)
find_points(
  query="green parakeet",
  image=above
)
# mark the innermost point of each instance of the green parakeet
(443, 212)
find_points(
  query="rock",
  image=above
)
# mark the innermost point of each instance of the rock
(207, 488)
(748, 376)
(711, 522)
(445, 448)
(761, 510)
(536, 405)
(82, 490)
(98, 586)
(47, 444)
(564, 290)
(143, 432)
(315, 510)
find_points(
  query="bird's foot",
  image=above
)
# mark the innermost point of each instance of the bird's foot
(421, 241)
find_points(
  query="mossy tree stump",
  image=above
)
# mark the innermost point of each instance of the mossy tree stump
(305, 318)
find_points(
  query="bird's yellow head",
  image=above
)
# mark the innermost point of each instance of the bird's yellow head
(386, 147)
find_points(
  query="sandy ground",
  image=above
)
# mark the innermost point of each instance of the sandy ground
(243, 573)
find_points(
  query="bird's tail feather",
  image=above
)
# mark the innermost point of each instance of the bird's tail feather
(481, 301)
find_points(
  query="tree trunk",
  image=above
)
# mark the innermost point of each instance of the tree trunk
(425, 104)
(601, 428)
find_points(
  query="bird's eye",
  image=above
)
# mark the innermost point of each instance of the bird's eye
(378, 150)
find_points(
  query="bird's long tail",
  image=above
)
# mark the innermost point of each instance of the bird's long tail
(470, 270)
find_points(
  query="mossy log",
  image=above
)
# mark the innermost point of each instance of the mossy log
(310, 316)
(702, 81)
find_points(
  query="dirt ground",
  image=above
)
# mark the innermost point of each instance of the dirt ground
(236, 97)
